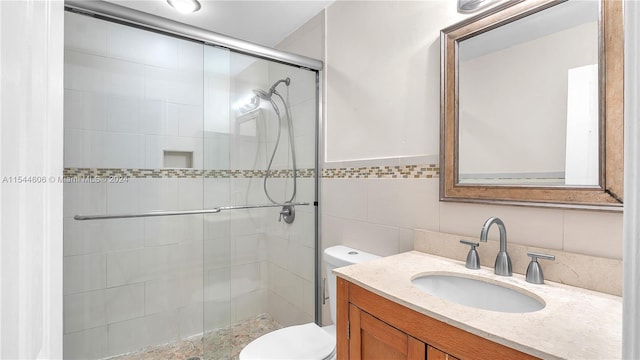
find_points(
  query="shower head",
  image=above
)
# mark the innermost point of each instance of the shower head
(287, 81)
(266, 95)
(263, 94)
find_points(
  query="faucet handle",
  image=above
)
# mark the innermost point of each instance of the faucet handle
(288, 213)
(534, 271)
(473, 260)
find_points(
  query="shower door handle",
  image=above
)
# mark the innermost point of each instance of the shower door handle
(287, 207)
(146, 214)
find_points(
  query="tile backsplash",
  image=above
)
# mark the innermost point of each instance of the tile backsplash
(584, 271)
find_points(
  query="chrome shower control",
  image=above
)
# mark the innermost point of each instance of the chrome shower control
(473, 260)
(534, 271)
(288, 213)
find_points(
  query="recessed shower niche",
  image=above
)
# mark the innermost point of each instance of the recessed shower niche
(177, 159)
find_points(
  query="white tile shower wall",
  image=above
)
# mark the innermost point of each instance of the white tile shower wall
(158, 258)
(252, 131)
(123, 104)
(130, 95)
(300, 95)
(146, 104)
(287, 290)
(217, 66)
(160, 328)
(290, 248)
(253, 147)
(88, 344)
(290, 258)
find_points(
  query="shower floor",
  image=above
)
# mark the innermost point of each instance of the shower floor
(220, 344)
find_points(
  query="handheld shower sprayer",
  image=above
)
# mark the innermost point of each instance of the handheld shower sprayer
(268, 96)
(263, 95)
(287, 81)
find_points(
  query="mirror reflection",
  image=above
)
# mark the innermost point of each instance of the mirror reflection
(528, 97)
(532, 105)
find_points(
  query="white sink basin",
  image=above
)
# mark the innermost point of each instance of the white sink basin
(478, 293)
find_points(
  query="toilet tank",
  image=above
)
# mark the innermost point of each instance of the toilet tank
(339, 256)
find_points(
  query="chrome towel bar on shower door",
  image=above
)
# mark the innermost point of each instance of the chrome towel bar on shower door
(183, 212)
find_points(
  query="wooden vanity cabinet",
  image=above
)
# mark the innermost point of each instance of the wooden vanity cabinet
(371, 338)
(371, 327)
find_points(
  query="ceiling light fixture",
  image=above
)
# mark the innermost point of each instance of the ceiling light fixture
(185, 6)
(470, 6)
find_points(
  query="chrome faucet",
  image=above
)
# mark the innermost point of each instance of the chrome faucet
(503, 262)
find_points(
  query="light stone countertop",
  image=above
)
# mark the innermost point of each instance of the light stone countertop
(575, 323)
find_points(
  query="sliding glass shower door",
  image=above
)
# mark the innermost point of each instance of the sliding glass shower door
(269, 134)
(155, 123)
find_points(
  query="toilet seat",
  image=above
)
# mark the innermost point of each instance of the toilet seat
(308, 341)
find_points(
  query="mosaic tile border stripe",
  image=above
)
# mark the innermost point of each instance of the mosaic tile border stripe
(384, 172)
(370, 172)
(180, 173)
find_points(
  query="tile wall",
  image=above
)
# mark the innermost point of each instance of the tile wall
(288, 256)
(379, 215)
(130, 95)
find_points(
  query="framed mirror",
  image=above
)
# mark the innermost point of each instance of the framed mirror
(532, 105)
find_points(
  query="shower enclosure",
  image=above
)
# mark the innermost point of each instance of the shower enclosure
(179, 157)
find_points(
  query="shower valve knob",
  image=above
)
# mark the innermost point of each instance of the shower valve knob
(284, 212)
(288, 214)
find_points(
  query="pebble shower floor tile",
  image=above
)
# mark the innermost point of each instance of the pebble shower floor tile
(220, 344)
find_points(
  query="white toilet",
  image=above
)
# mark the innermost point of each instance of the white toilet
(308, 341)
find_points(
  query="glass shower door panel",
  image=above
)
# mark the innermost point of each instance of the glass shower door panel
(217, 319)
(271, 263)
(133, 143)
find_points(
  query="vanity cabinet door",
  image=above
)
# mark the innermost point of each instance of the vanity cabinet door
(373, 339)
(435, 354)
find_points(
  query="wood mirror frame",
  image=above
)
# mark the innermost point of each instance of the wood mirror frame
(608, 194)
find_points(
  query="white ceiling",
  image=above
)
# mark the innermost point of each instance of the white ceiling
(264, 22)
